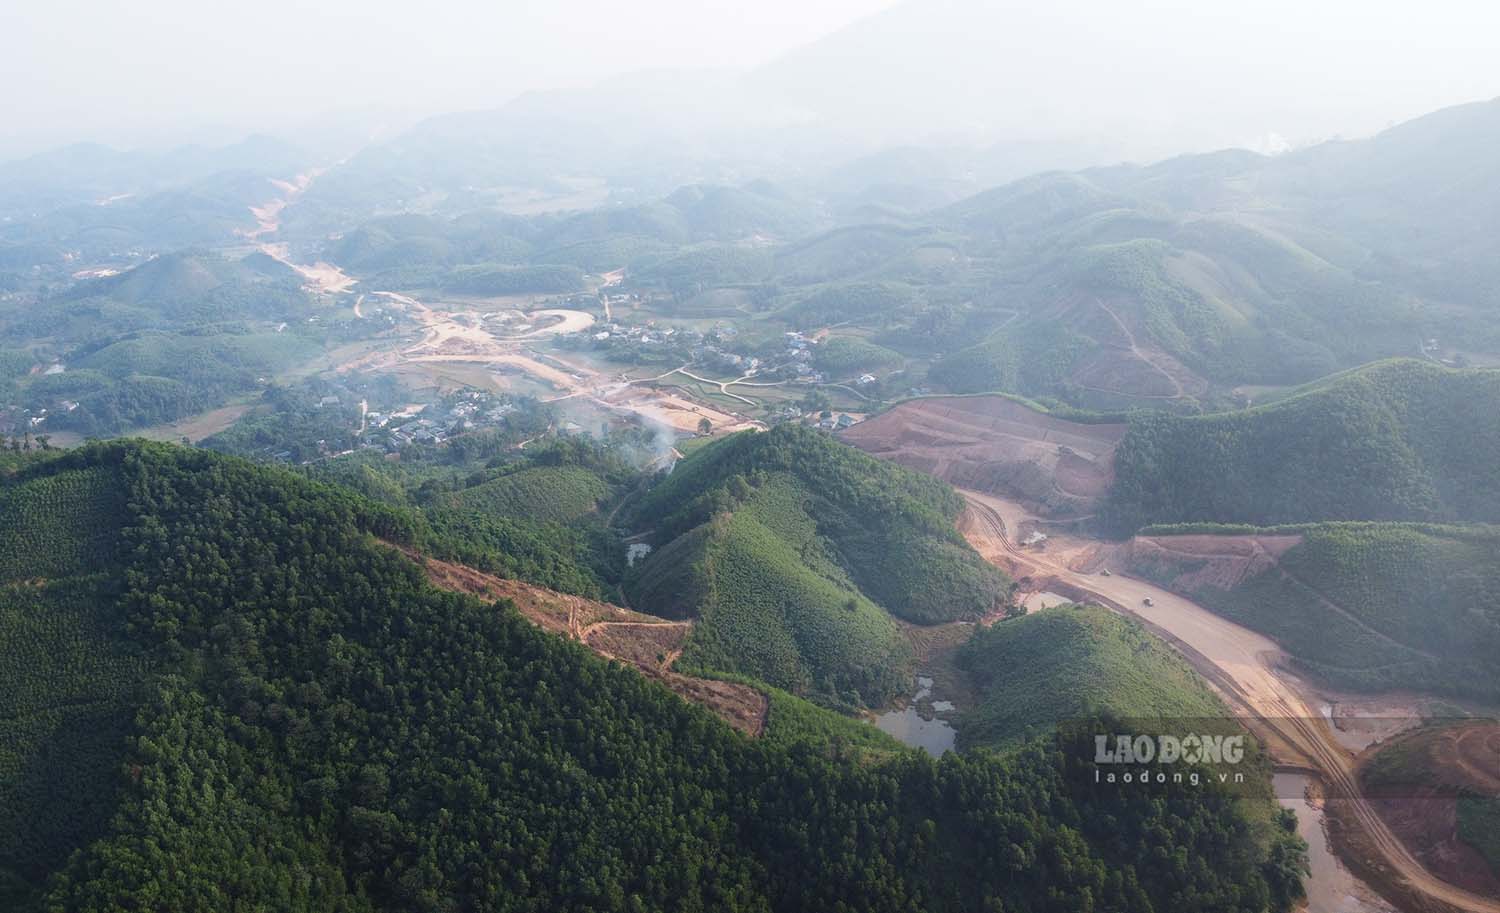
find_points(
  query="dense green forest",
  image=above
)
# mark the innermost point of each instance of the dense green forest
(1374, 606)
(278, 714)
(795, 550)
(1396, 440)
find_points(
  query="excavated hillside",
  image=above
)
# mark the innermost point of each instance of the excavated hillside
(993, 444)
(646, 642)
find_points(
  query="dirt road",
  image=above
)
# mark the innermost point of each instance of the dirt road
(1142, 355)
(569, 321)
(1245, 668)
(321, 276)
(461, 337)
(722, 385)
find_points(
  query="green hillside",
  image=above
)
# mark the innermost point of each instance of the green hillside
(195, 285)
(688, 272)
(253, 706)
(1036, 356)
(890, 529)
(1397, 440)
(773, 605)
(1375, 606)
(794, 551)
(529, 515)
(1072, 663)
(866, 302)
(1118, 312)
(178, 334)
(557, 494)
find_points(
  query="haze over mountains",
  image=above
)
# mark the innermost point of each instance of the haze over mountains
(1098, 80)
(758, 481)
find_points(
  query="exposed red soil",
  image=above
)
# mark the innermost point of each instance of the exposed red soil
(1426, 820)
(996, 445)
(648, 643)
(1201, 560)
(1461, 760)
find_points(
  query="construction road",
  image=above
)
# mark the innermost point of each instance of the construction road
(1245, 668)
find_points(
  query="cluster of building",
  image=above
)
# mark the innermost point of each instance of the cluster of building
(434, 423)
(837, 422)
(799, 352)
(791, 359)
(645, 334)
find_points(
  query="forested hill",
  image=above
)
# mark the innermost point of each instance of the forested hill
(1113, 666)
(1395, 440)
(218, 692)
(795, 550)
(1365, 606)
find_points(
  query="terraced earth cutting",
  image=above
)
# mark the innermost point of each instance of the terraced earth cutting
(996, 445)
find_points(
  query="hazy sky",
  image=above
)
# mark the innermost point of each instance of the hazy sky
(74, 69)
(129, 72)
(1162, 76)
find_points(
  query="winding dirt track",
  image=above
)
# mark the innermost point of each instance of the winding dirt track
(1143, 356)
(1242, 665)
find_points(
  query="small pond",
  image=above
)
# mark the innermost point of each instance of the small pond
(917, 725)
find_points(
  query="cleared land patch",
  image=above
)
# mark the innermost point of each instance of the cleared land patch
(996, 445)
(649, 643)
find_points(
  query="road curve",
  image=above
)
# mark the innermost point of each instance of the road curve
(1243, 666)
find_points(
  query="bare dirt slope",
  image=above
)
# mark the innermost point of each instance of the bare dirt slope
(996, 445)
(1126, 364)
(1246, 668)
(1454, 761)
(649, 643)
(1196, 561)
